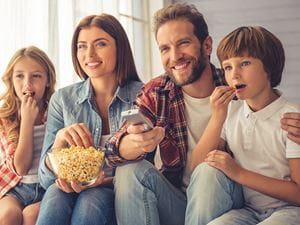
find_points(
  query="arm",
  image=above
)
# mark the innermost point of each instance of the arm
(291, 123)
(23, 154)
(281, 189)
(210, 139)
(132, 143)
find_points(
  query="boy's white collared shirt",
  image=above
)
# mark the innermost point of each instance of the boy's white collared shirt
(260, 145)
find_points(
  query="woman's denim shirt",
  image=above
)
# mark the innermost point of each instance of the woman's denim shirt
(76, 104)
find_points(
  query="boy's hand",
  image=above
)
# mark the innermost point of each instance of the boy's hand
(29, 109)
(220, 99)
(291, 123)
(224, 162)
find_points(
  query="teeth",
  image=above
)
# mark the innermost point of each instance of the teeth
(29, 93)
(179, 67)
(93, 64)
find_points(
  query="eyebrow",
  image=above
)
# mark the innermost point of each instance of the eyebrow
(21, 71)
(98, 39)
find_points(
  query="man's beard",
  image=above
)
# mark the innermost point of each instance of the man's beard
(197, 70)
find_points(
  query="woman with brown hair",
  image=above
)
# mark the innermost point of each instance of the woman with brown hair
(86, 114)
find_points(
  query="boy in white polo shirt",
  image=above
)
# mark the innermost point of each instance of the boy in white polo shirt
(266, 163)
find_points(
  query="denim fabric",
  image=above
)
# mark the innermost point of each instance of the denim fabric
(286, 215)
(144, 196)
(75, 104)
(210, 194)
(92, 206)
(27, 193)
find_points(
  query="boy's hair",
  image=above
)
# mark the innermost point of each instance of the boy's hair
(182, 11)
(125, 66)
(10, 102)
(255, 42)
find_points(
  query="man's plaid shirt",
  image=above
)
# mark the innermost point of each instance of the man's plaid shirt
(161, 100)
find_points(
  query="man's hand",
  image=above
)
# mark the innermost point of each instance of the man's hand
(291, 123)
(138, 142)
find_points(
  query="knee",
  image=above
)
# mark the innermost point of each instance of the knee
(10, 216)
(125, 173)
(30, 213)
(206, 173)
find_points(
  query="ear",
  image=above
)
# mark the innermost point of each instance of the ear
(207, 45)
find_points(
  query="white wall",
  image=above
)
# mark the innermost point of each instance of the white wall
(280, 17)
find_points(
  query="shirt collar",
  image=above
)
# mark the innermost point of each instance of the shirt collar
(86, 93)
(267, 111)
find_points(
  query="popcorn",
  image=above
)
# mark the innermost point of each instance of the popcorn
(77, 163)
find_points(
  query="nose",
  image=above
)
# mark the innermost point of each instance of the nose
(175, 54)
(91, 50)
(28, 83)
(235, 73)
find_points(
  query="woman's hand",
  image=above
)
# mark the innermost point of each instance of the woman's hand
(77, 187)
(76, 134)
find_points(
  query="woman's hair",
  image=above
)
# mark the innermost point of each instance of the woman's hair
(10, 103)
(256, 42)
(125, 67)
(182, 11)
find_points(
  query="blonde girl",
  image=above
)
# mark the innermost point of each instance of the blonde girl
(29, 79)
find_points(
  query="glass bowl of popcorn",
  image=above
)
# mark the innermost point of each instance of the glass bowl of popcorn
(77, 163)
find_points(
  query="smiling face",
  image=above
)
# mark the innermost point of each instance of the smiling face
(183, 57)
(96, 52)
(29, 78)
(247, 75)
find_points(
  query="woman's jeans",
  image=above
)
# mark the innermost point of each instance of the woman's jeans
(89, 207)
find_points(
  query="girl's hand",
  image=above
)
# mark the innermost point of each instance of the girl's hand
(220, 99)
(76, 134)
(77, 187)
(224, 162)
(29, 109)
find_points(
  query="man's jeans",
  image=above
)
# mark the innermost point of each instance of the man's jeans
(210, 194)
(92, 206)
(144, 196)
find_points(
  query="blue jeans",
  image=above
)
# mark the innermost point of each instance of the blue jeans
(27, 193)
(210, 194)
(92, 206)
(287, 215)
(144, 196)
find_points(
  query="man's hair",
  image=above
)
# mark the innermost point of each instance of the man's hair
(180, 11)
(256, 42)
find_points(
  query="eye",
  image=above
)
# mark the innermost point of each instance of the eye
(184, 42)
(100, 44)
(37, 75)
(81, 46)
(246, 63)
(227, 68)
(19, 75)
(163, 49)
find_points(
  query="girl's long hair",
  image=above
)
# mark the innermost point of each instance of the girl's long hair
(10, 103)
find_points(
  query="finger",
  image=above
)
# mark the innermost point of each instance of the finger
(63, 186)
(86, 136)
(226, 97)
(135, 129)
(68, 138)
(294, 138)
(292, 115)
(75, 136)
(77, 187)
(294, 131)
(83, 135)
